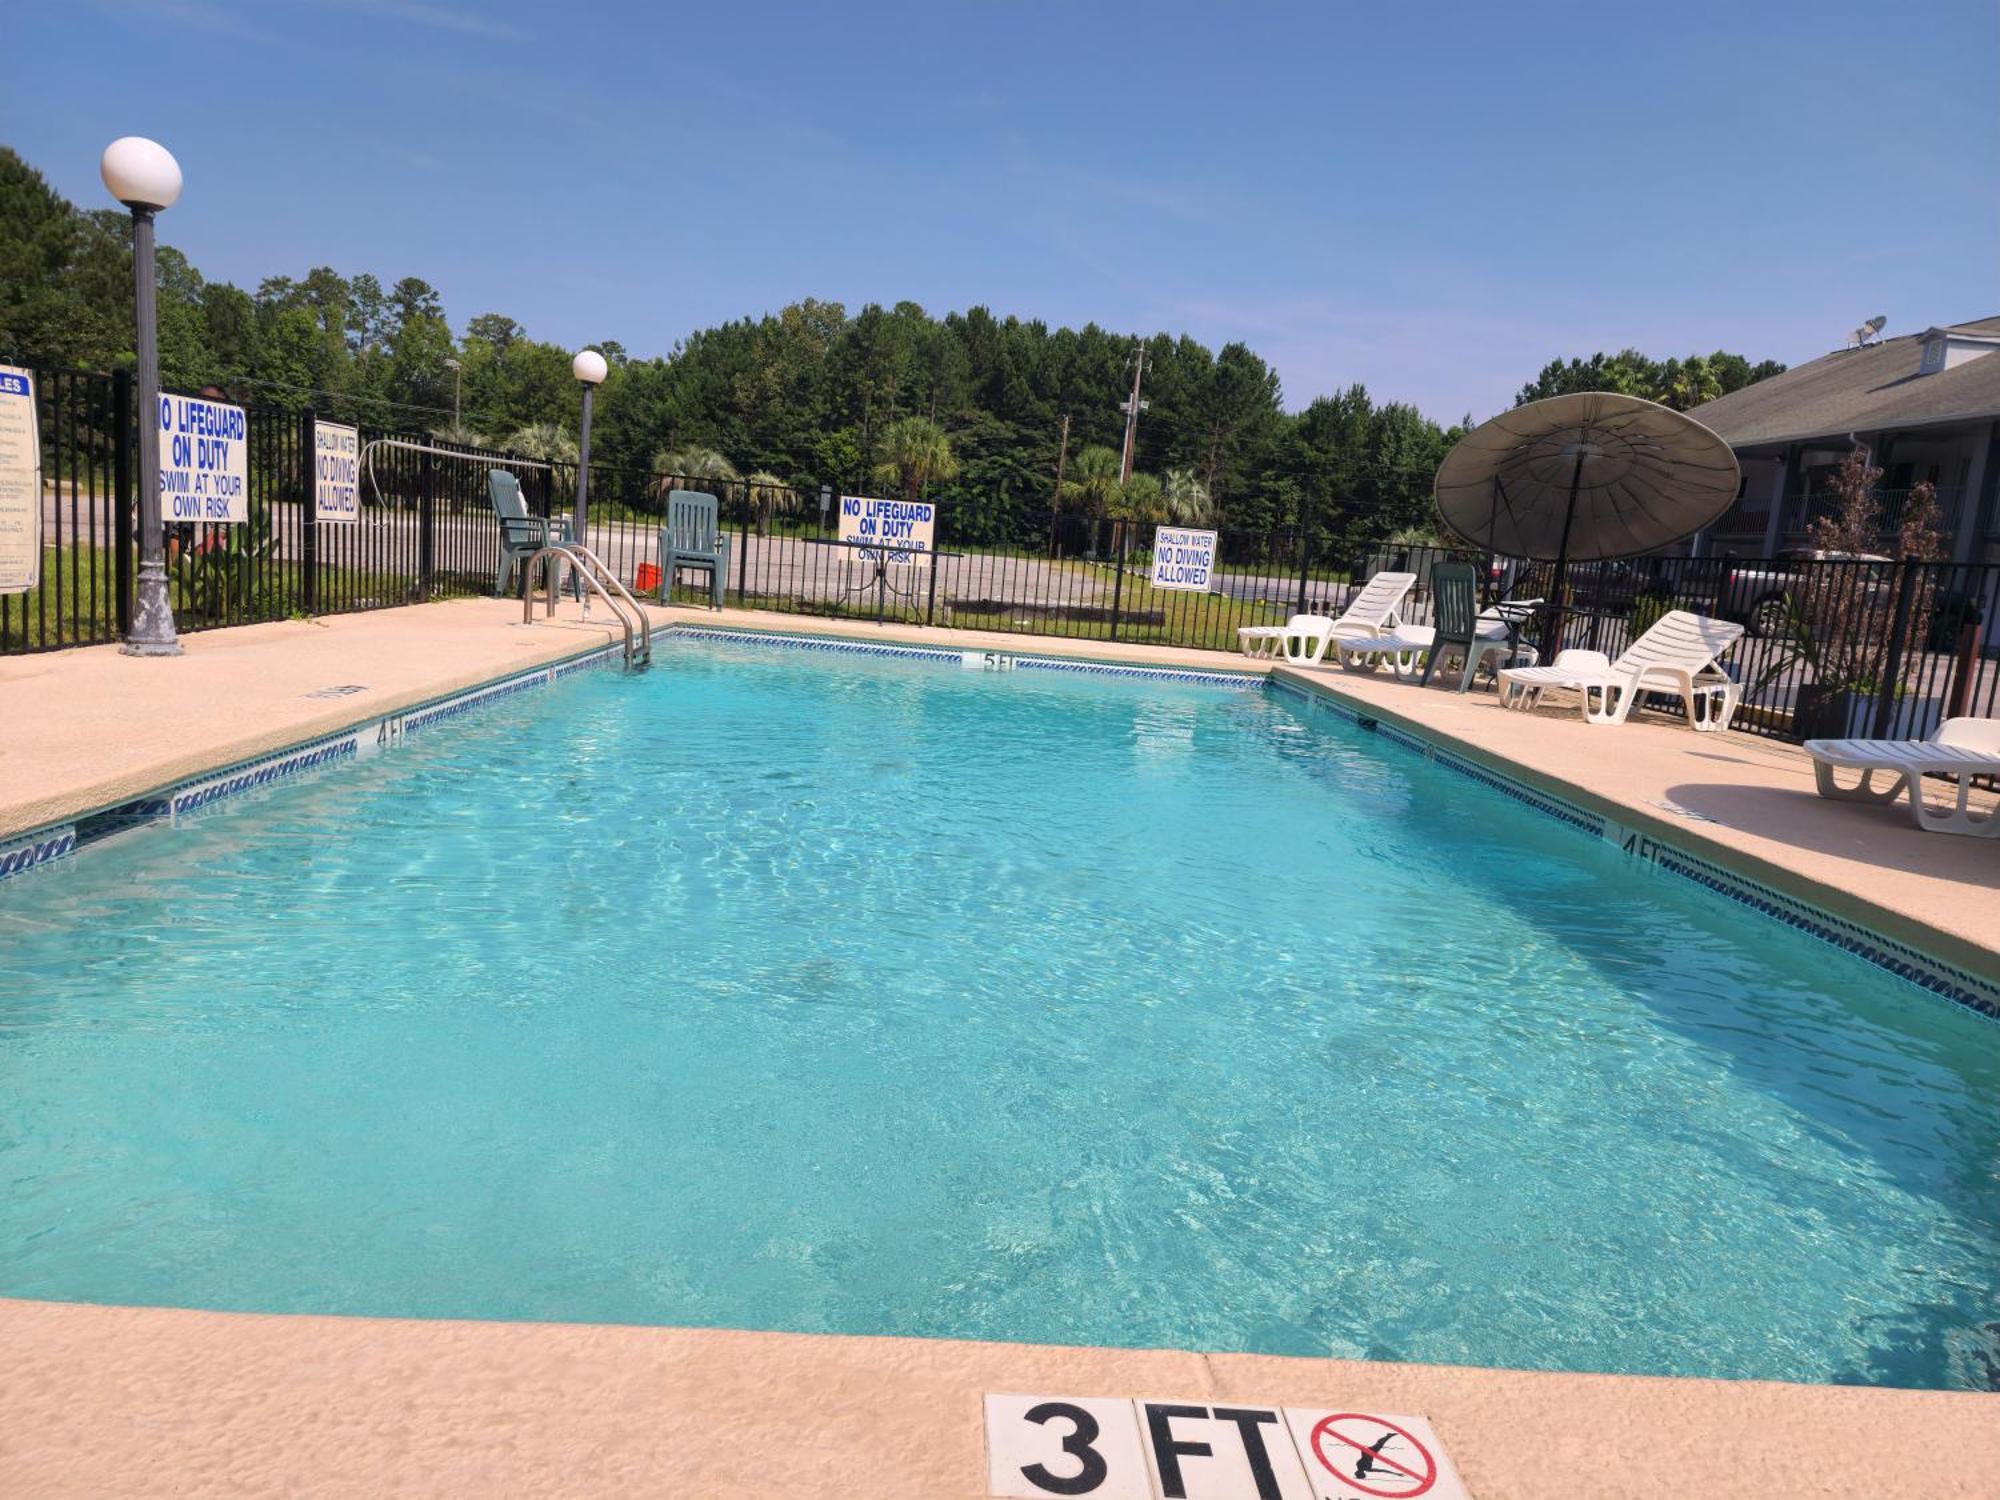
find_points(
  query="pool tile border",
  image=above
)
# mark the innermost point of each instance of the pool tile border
(198, 794)
(1015, 661)
(36, 848)
(1899, 959)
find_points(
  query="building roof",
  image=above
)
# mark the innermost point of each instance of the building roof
(1870, 389)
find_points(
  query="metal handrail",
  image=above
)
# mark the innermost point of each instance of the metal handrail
(589, 566)
(605, 575)
(407, 445)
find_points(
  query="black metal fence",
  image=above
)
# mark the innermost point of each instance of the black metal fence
(1832, 647)
(426, 529)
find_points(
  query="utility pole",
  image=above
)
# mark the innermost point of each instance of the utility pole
(1132, 408)
(1055, 500)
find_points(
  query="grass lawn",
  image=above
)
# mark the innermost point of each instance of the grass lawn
(76, 604)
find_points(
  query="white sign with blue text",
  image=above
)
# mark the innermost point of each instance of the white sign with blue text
(20, 483)
(336, 473)
(905, 528)
(204, 461)
(1182, 559)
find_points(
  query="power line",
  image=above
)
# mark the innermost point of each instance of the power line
(313, 390)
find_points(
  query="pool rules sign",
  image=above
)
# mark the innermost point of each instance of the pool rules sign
(1111, 1448)
(204, 461)
(20, 483)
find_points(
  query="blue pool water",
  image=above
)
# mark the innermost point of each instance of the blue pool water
(780, 990)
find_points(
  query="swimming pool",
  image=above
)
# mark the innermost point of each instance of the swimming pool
(812, 992)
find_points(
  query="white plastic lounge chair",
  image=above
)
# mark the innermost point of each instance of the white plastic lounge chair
(1403, 649)
(1303, 638)
(1958, 748)
(1268, 640)
(1677, 655)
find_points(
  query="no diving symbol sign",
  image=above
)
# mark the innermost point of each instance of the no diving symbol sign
(1372, 1456)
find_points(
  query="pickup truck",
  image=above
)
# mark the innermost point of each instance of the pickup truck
(1754, 593)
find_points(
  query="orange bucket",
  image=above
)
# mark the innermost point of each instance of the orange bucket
(647, 579)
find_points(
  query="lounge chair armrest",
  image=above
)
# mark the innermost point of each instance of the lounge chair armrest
(534, 529)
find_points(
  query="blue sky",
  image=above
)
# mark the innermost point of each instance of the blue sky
(1432, 199)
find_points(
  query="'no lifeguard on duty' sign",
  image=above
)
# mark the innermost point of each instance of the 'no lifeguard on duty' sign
(905, 528)
(204, 461)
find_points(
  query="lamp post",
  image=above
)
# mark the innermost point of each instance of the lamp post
(144, 176)
(589, 369)
(457, 378)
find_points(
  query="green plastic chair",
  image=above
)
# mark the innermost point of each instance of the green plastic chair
(521, 535)
(693, 538)
(1458, 629)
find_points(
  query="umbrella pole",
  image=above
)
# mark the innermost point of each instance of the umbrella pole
(1562, 558)
(1492, 521)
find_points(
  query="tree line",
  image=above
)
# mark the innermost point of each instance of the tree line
(976, 411)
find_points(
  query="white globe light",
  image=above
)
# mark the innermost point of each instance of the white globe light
(589, 367)
(141, 173)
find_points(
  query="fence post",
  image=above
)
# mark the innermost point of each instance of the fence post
(1118, 579)
(309, 511)
(426, 527)
(1967, 664)
(124, 437)
(1305, 567)
(743, 546)
(930, 603)
(1892, 659)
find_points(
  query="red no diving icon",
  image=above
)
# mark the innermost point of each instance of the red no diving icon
(1373, 1456)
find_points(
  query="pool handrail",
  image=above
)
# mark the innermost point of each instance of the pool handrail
(586, 566)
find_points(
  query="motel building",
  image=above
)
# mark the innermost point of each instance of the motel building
(1926, 406)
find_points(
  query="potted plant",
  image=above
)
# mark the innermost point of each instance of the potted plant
(1840, 621)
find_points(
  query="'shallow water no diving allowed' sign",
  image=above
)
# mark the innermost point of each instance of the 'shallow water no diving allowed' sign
(336, 461)
(204, 461)
(1183, 558)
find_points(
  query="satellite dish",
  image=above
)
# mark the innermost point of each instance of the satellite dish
(1866, 333)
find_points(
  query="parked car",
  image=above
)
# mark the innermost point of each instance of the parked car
(1597, 587)
(1757, 594)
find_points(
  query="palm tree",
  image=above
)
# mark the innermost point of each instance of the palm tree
(1187, 500)
(694, 462)
(550, 442)
(1093, 485)
(461, 437)
(770, 496)
(1141, 498)
(915, 452)
(675, 465)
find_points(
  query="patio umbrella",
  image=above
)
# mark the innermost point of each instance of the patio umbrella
(1584, 477)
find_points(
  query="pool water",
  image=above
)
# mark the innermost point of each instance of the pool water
(797, 991)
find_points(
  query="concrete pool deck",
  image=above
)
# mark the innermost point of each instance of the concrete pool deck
(112, 1401)
(107, 1401)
